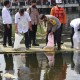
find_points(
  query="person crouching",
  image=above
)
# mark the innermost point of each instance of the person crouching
(52, 24)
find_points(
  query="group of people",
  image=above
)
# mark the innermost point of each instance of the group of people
(26, 23)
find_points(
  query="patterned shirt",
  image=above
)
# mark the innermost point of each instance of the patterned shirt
(34, 14)
(50, 26)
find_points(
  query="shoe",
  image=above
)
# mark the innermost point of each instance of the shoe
(35, 44)
(71, 46)
(4, 46)
(59, 48)
(10, 46)
(16, 49)
(30, 46)
(27, 48)
(61, 42)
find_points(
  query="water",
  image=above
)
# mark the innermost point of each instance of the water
(40, 66)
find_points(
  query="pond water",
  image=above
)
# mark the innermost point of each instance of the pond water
(40, 66)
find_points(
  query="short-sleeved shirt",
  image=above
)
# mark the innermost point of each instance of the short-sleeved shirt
(6, 17)
(34, 14)
(22, 22)
(50, 26)
(75, 24)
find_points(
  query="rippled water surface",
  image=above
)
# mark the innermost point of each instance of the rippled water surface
(40, 66)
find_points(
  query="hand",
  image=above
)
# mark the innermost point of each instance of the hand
(16, 31)
(30, 29)
(8, 26)
(51, 33)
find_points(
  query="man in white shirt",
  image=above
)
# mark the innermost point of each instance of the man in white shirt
(7, 22)
(74, 25)
(23, 24)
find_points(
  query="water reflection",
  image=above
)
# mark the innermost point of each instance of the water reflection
(40, 66)
(58, 71)
(9, 61)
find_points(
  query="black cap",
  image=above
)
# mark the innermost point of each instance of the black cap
(41, 16)
(21, 10)
(6, 2)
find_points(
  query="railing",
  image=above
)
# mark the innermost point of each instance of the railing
(43, 6)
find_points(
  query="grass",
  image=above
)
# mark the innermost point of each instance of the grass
(40, 30)
(40, 34)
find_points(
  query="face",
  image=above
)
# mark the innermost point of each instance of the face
(45, 19)
(8, 5)
(33, 4)
(60, 5)
(21, 14)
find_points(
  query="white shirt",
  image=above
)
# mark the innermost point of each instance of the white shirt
(6, 17)
(75, 24)
(22, 22)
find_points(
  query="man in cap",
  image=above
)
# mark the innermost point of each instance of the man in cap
(52, 24)
(59, 12)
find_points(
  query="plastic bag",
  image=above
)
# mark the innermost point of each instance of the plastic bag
(76, 40)
(50, 40)
(18, 38)
(50, 44)
(50, 59)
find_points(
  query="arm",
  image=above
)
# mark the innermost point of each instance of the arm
(38, 17)
(28, 10)
(29, 20)
(16, 27)
(5, 17)
(16, 23)
(57, 25)
(30, 26)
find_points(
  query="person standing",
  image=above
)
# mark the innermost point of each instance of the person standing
(59, 12)
(34, 14)
(23, 24)
(7, 23)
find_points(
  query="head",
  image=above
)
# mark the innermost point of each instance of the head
(58, 2)
(21, 12)
(7, 3)
(33, 3)
(43, 17)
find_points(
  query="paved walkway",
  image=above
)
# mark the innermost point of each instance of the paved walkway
(65, 47)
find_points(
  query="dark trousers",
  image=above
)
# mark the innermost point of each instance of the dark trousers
(9, 61)
(26, 36)
(57, 36)
(7, 34)
(72, 33)
(32, 34)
